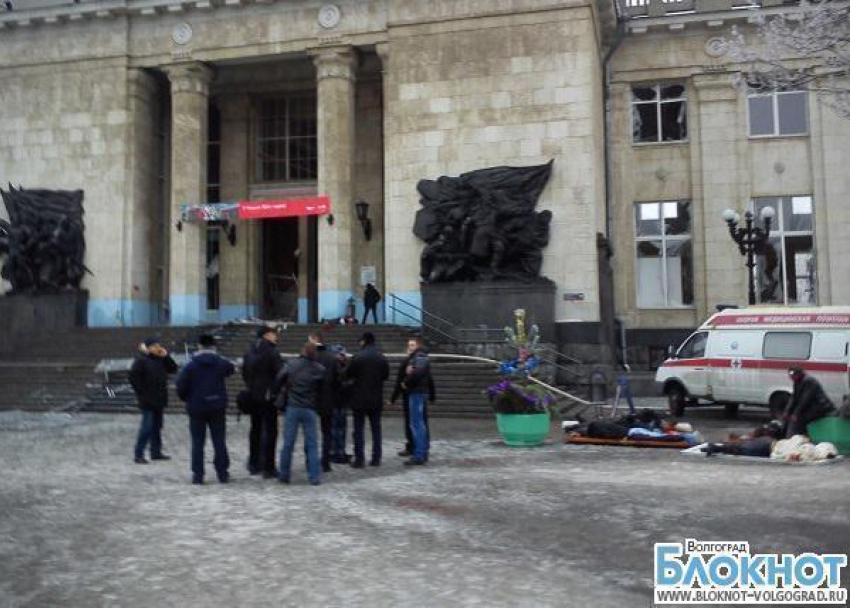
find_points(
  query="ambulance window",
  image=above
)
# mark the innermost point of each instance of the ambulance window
(830, 346)
(787, 345)
(694, 347)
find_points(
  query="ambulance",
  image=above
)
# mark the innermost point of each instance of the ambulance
(742, 356)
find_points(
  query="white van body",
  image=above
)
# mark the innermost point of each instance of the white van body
(742, 356)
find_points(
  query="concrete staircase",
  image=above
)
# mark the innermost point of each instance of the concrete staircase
(57, 371)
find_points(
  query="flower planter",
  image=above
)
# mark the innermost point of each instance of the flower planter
(523, 430)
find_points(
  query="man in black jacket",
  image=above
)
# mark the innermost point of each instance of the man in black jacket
(399, 390)
(302, 380)
(328, 395)
(260, 367)
(371, 297)
(368, 370)
(808, 403)
(149, 379)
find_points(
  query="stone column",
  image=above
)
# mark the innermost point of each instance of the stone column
(335, 114)
(722, 182)
(189, 109)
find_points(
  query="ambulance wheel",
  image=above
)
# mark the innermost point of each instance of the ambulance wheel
(730, 410)
(676, 400)
(777, 405)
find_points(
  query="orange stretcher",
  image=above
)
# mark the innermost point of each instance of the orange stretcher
(625, 442)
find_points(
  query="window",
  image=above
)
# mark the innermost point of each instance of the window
(786, 269)
(212, 270)
(659, 113)
(694, 348)
(778, 113)
(664, 254)
(213, 154)
(787, 345)
(286, 140)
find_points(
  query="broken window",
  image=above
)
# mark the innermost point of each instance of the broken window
(659, 113)
(664, 254)
(786, 268)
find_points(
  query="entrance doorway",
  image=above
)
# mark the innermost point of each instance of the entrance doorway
(280, 269)
(290, 264)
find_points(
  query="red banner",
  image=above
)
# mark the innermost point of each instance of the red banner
(293, 207)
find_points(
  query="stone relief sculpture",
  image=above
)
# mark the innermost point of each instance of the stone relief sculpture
(43, 242)
(482, 225)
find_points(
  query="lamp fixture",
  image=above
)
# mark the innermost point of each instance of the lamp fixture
(362, 209)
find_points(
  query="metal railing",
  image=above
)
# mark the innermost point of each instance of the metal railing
(453, 333)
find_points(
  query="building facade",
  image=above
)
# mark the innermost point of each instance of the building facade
(152, 106)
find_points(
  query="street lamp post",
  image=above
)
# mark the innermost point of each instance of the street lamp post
(749, 238)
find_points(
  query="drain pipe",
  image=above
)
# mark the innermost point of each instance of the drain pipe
(624, 344)
(619, 36)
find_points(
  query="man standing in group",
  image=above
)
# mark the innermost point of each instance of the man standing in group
(417, 385)
(400, 390)
(808, 403)
(371, 297)
(149, 379)
(201, 385)
(260, 367)
(302, 380)
(328, 395)
(368, 370)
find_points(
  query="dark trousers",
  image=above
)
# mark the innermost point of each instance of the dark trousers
(262, 440)
(150, 431)
(217, 424)
(374, 311)
(360, 417)
(326, 422)
(408, 436)
(338, 432)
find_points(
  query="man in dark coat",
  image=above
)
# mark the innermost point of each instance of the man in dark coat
(340, 413)
(328, 395)
(371, 297)
(260, 367)
(808, 403)
(149, 379)
(302, 380)
(418, 385)
(201, 385)
(368, 370)
(400, 391)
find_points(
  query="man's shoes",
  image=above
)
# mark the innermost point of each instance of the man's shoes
(357, 465)
(253, 470)
(374, 463)
(413, 462)
(326, 467)
(140, 460)
(197, 481)
(283, 480)
(405, 453)
(161, 457)
(224, 478)
(316, 483)
(269, 474)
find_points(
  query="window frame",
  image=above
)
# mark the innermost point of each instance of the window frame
(774, 95)
(664, 238)
(767, 334)
(657, 85)
(287, 99)
(693, 338)
(777, 230)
